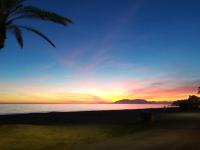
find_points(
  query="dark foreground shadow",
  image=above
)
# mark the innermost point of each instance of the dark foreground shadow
(115, 116)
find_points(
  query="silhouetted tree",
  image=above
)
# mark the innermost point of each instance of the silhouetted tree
(193, 102)
(14, 10)
(198, 90)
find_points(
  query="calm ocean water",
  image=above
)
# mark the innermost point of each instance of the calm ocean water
(30, 108)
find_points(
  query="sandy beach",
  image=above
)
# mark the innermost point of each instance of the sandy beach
(111, 116)
(95, 130)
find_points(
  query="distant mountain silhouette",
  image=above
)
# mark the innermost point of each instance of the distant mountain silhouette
(139, 101)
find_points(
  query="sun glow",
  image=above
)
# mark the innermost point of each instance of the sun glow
(91, 92)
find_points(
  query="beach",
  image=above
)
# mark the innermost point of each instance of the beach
(95, 130)
(104, 116)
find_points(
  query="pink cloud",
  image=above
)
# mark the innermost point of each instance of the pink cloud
(153, 92)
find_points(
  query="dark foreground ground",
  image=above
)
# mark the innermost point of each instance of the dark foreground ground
(117, 130)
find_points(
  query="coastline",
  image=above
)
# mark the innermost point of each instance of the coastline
(6, 109)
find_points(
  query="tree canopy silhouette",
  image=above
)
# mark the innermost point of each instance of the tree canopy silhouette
(192, 103)
(198, 90)
(14, 10)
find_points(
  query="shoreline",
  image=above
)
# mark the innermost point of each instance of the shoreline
(100, 116)
(13, 109)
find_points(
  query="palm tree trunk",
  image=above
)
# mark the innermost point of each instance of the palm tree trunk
(2, 40)
(2, 36)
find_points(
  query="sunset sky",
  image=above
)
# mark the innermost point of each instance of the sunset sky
(116, 49)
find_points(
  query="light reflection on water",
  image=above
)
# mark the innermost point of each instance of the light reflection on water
(30, 108)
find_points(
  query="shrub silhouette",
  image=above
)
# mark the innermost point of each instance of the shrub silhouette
(192, 103)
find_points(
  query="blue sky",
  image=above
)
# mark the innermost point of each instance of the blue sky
(111, 41)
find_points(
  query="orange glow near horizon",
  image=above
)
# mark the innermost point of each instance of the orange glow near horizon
(90, 93)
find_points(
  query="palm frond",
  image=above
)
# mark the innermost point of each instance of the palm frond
(38, 33)
(13, 10)
(17, 33)
(10, 4)
(30, 12)
(8, 7)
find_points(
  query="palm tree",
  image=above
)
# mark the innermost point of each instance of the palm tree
(14, 10)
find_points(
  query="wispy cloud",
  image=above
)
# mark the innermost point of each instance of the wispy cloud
(105, 46)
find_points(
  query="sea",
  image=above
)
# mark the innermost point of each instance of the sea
(43, 108)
